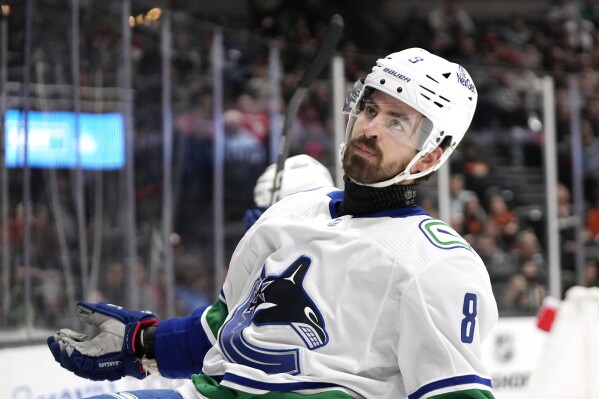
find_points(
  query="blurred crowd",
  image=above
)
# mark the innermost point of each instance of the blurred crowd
(497, 188)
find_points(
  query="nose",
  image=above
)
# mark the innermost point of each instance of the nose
(371, 128)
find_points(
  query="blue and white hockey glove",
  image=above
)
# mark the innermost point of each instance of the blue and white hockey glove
(109, 355)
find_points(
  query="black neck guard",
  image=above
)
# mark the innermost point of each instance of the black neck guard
(360, 200)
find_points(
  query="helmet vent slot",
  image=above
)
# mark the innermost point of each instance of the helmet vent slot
(438, 104)
(434, 80)
(427, 89)
(443, 98)
(425, 96)
(446, 75)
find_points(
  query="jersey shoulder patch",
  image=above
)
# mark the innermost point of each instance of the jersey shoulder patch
(443, 236)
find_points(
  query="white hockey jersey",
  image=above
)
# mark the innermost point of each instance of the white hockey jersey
(388, 305)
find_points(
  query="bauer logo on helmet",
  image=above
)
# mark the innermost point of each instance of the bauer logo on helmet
(397, 75)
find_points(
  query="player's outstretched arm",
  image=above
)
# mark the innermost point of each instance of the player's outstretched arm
(182, 342)
(111, 353)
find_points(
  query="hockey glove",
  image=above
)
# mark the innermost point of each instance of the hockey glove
(108, 355)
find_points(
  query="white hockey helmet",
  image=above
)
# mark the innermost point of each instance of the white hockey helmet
(301, 173)
(442, 91)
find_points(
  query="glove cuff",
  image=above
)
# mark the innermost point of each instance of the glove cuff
(132, 332)
(144, 343)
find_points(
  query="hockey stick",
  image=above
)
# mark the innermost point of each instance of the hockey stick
(323, 53)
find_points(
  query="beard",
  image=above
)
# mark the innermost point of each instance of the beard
(368, 171)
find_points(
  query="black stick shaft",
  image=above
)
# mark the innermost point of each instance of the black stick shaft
(323, 54)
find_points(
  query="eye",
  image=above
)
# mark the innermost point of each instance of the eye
(399, 125)
(370, 111)
(396, 123)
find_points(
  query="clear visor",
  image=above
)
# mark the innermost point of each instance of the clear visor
(352, 98)
(412, 130)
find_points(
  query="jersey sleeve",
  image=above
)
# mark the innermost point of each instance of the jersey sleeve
(445, 313)
(181, 343)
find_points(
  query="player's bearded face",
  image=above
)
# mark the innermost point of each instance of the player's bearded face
(371, 169)
(383, 140)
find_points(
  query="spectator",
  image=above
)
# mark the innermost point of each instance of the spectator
(528, 248)
(526, 289)
(579, 33)
(561, 11)
(510, 99)
(113, 287)
(194, 130)
(447, 23)
(413, 28)
(567, 224)
(504, 218)
(499, 263)
(186, 59)
(475, 169)
(475, 217)
(590, 144)
(315, 141)
(459, 196)
(50, 298)
(245, 158)
(192, 288)
(254, 119)
(591, 273)
(517, 33)
(241, 145)
(592, 223)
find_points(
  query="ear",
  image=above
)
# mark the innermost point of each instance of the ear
(428, 160)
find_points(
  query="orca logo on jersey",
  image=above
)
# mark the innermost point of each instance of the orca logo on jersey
(441, 235)
(279, 300)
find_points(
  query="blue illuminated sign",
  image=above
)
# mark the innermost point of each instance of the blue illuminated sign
(53, 143)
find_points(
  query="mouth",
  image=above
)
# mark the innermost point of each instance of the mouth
(365, 151)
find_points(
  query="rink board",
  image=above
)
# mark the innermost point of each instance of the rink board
(31, 372)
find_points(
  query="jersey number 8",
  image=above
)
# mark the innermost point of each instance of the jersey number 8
(469, 320)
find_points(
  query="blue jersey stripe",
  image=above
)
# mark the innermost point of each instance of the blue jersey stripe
(450, 382)
(336, 197)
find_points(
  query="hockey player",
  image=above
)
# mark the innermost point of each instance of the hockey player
(301, 173)
(332, 294)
